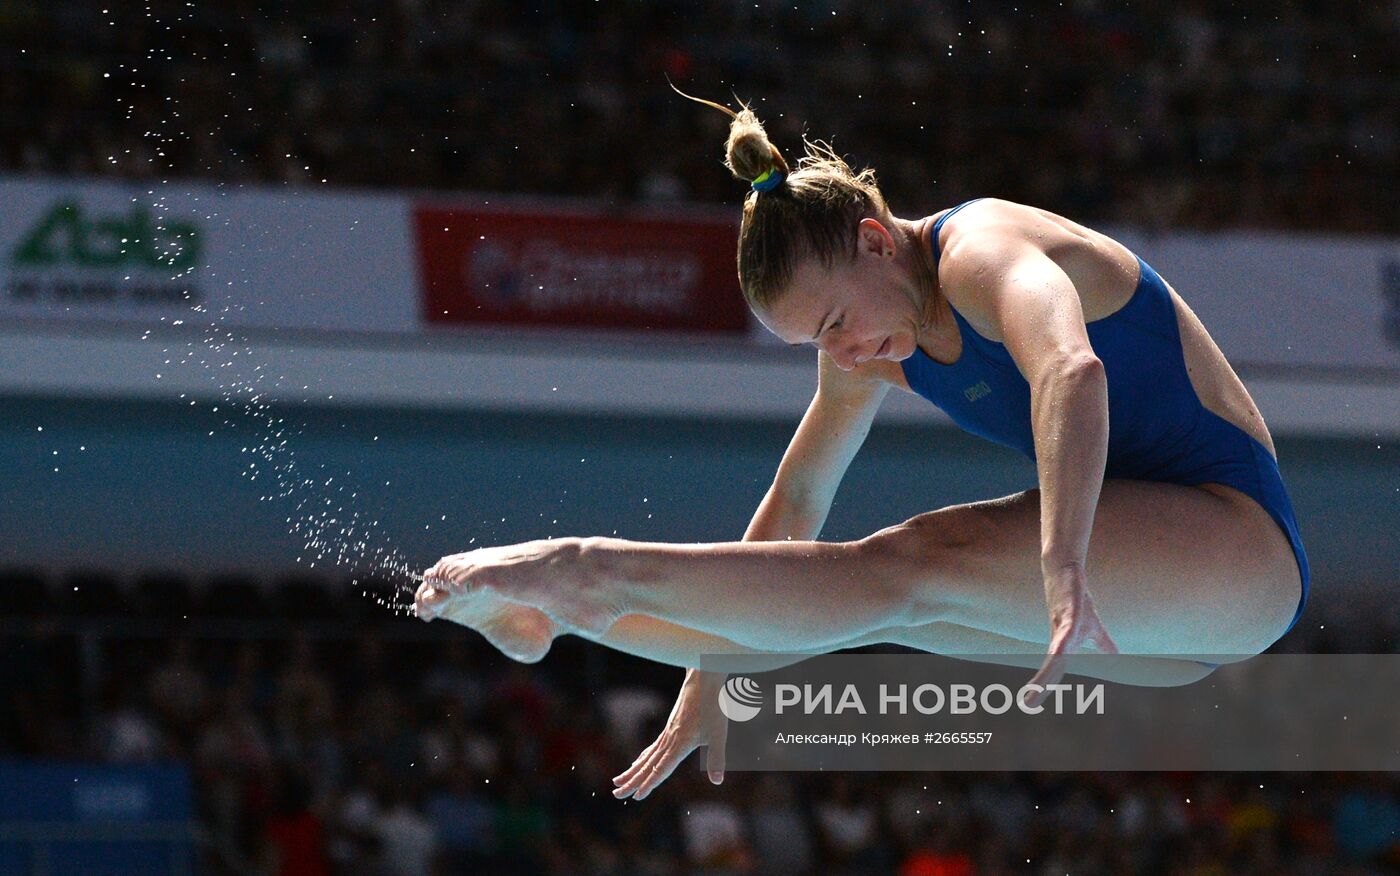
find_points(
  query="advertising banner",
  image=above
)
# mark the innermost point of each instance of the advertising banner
(87, 251)
(578, 269)
(79, 819)
(1292, 300)
(100, 251)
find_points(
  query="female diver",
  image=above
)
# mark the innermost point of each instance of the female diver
(1158, 483)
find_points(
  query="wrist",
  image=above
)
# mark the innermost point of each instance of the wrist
(1060, 566)
(705, 677)
(1064, 584)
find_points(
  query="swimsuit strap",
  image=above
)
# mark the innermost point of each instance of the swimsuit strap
(938, 226)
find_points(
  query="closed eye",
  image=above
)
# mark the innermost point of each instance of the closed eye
(834, 325)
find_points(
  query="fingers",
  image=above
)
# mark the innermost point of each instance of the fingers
(1103, 642)
(624, 779)
(714, 751)
(654, 767)
(419, 604)
(659, 770)
(1051, 671)
(714, 761)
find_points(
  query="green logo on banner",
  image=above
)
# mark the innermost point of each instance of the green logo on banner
(66, 236)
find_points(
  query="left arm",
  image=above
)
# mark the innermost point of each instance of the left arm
(1036, 309)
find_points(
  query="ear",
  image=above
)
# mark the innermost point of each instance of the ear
(873, 238)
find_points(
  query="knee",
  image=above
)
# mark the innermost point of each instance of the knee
(1194, 672)
(915, 556)
(1271, 616)
(935, 539)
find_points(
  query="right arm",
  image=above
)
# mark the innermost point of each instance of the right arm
(794, 508)
(832, 430)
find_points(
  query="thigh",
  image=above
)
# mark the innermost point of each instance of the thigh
(1172, 569)
(980, 646)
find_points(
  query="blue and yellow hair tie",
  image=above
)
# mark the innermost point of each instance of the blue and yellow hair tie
(768, 180)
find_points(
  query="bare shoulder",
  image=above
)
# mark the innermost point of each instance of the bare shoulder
(977, 246)
(987, 234)
(985, 239)
(986, 223)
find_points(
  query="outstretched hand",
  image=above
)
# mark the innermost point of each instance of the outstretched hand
(1074, 626)
(695, 721)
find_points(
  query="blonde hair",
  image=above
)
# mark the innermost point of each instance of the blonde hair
(814, 211)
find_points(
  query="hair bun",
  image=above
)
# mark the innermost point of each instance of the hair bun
(748, 153)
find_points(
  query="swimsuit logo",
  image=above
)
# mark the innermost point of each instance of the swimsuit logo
(980, 389)
(740, 698)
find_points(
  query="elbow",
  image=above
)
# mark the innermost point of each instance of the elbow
(1071, 372)
(1084, 366)
(1082, 373)
(788, 511)
(797, 496)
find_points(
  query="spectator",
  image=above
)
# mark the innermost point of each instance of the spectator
(849, 823)
(1367, 822)
(406, 836)
(126, 733)
(714, 832)
(464, 821)
(1155, 114)
(782, 840)
(295, 839)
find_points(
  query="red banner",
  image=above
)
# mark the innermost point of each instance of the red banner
(556, 268)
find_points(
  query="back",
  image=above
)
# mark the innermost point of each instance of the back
(1155, 418)
(1108, 278)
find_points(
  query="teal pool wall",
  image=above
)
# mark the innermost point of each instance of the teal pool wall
(152, 488)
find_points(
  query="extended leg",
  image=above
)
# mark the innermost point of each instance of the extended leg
(525, 633)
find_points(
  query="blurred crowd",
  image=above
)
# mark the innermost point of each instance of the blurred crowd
(1157, 113)
(325, 737)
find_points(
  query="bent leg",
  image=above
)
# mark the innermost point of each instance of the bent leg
(980, 646)
(1173, 570)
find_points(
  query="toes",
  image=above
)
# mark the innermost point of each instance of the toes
(429, 601)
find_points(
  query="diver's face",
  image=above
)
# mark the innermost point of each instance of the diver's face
(855, 311)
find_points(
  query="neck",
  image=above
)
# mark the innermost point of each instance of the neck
(923, 278)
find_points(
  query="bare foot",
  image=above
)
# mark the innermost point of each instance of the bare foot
(548, 575)
(519, 631)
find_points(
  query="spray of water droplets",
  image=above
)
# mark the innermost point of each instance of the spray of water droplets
(324, 510)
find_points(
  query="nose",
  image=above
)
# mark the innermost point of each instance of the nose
(842, 352)
(846, 351)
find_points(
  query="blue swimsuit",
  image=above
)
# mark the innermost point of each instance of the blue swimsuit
(1158, 428)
